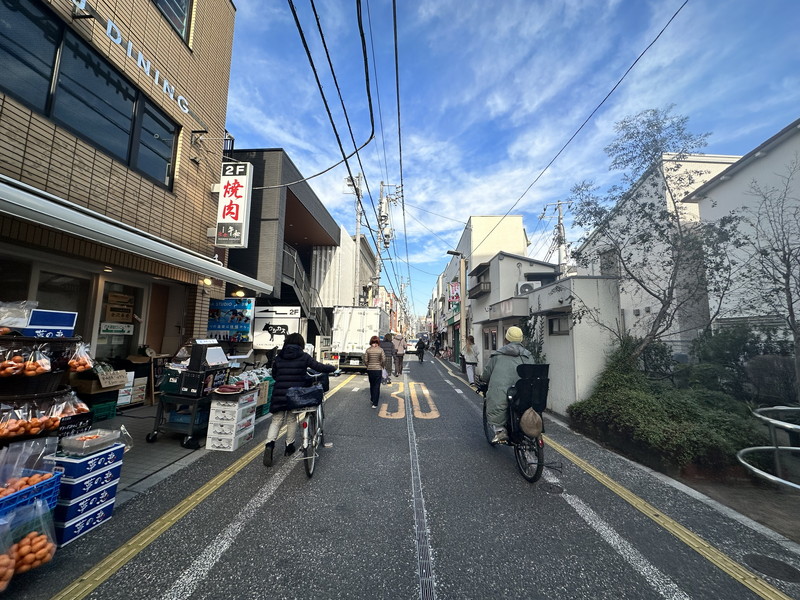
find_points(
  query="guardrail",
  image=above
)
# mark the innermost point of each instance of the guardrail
(777, 451)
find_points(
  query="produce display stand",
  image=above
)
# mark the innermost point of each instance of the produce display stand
(182, 415)
(184, 402)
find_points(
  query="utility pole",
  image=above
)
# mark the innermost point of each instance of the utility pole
(559, 244)
(355, 186)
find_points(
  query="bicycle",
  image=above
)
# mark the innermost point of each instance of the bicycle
(311, 419)
(529, 393)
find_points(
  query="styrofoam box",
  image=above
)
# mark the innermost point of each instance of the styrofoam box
(68, 532)
(66, 510)
(235, 401)
(230, 443)
(231, 415)
(75, 488)
(74, 467)
(231, 429)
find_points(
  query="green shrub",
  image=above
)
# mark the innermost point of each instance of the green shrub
(661, 426)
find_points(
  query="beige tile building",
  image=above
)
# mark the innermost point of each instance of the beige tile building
(112, 126)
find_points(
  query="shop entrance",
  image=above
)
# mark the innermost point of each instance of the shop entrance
(120, 322)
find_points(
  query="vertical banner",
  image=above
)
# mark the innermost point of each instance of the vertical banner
(233, 210)
(455, 293)
(231, 319)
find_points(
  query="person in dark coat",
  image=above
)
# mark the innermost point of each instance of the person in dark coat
(389, 350)
(288, 370)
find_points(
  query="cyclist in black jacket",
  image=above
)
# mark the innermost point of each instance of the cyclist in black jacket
(288, 370)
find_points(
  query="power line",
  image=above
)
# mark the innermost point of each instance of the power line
(574, 135)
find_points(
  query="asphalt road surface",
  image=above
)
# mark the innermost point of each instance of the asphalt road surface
(411, 502)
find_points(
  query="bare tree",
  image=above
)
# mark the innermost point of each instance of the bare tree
(774, 253)
(642, 232)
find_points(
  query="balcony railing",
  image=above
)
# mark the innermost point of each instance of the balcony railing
(481, 289)
(294, 275)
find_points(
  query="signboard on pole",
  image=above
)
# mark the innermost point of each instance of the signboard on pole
(233, 210)
(273, 323)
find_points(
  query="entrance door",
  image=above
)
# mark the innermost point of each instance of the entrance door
(120, 321)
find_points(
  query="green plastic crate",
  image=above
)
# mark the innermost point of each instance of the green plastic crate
(106, 410)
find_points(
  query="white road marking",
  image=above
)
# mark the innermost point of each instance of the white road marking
(194, 575)
(662, 584)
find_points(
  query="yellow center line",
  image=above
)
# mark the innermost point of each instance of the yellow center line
(694, 541)
(91, 579)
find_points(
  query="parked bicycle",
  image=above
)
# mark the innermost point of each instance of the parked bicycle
(311, 418)
(524, 428)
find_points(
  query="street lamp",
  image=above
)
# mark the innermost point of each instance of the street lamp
(462, 276)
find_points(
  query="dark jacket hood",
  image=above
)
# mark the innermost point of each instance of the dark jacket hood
(290, 351)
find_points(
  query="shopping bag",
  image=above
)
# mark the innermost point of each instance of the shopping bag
(304, 397)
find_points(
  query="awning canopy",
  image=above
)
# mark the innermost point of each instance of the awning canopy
(25, 202)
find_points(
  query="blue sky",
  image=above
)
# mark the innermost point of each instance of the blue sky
(491, 91)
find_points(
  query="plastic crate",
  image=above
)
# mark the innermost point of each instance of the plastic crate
(262, 409)
(47, 490)
(106, 410)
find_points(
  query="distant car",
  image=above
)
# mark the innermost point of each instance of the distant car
(412, 346)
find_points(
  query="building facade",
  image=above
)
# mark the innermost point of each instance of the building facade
(112, 124)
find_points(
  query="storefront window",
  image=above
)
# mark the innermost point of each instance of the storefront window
(63, 292)
(118, 336)
(16, 277)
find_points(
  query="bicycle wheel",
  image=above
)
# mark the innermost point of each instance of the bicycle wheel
(310, 451)
(530, 457)
(488, 430)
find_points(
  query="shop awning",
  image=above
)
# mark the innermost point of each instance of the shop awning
(25, 202)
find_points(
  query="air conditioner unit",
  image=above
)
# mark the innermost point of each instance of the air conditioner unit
(526, 287)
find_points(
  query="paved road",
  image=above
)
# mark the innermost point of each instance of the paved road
(411, 502)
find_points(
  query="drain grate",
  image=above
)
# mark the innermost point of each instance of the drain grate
(772, 567)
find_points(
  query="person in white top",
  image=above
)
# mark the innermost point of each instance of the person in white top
(470, 355)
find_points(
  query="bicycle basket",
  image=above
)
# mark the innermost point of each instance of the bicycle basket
(321, 378)
(304, 397)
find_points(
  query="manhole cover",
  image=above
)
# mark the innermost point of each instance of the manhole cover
(773, 567)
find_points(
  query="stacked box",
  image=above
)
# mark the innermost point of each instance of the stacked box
(231, 420)
(87, 492)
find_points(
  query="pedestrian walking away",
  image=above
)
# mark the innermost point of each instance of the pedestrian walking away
(400, 347)
(389, 351)
(470, 359)
(501, 374)
(420, 348)
(288, 370)
(374, 359)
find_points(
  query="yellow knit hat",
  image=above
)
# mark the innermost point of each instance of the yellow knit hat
(514, 334)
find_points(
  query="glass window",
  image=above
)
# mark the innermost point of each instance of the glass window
(156, 143)
(93, 99)
(558, 326)
(28, 41)
(177, 13)
(64, 292)
(16, 278)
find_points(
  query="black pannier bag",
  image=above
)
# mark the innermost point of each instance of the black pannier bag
(304, 397)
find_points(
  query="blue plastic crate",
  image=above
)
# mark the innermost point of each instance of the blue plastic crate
(47, 490)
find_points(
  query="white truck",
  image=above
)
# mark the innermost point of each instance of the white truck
(353, 326)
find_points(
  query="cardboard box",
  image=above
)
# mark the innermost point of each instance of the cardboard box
(106, 382)
(263, 393)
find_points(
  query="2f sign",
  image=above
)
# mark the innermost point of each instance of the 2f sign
(234, 169)
(233, 210)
